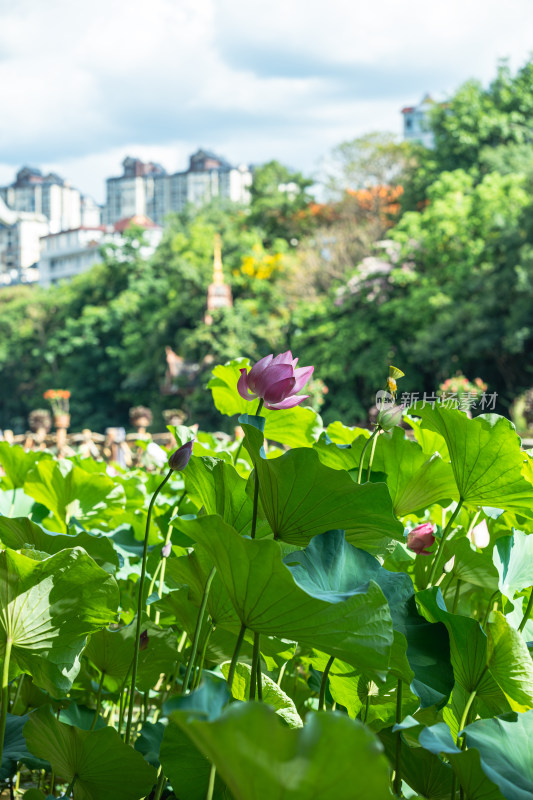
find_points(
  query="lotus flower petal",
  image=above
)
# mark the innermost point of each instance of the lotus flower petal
(278, 391)
(258, 369)
(276, 380)
(270, 376)
(289, 402)
(283, 358)
(242, 387)
(302, 375)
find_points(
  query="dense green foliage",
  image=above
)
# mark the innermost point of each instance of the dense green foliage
(454, 284)
(371, 662)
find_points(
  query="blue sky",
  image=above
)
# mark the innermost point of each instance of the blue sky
(84, 84)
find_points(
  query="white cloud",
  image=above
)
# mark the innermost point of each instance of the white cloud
(81, 84)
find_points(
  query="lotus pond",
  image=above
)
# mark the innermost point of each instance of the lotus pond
(294, 613)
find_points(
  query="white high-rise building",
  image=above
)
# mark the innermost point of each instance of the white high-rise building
(146, 188)
(20, 244)
(35, 193)
(69, 253)
(416, 122)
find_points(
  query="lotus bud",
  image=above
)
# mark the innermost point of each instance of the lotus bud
(180, 457)
(480, 536)
(389, 418)
(166, 550)
(421, 538)
(448, 567)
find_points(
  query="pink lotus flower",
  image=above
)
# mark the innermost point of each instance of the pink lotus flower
(276, 381)
(421, 538)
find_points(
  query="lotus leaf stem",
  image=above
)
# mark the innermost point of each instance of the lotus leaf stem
(235, 656)
(197, 630)
(445, 533)
(140, 607)
(527, 613)
(98, 701)
(397, 770)
(5, 693)
(211, 784)
(323, 685)
(368, 442)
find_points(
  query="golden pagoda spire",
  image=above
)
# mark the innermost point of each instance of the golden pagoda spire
(218, 293)
(218, 272)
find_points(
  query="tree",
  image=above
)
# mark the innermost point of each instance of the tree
(376, 159)
(280, 202)
(476, 118)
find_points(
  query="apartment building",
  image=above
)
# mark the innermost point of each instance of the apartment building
(416, 122)
(69, 253)
(146, 188)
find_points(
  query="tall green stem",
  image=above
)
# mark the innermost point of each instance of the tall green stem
(527, 612)
(238, 452)
(211, 784)
(468, 706)
(366, 445)
(398, 753)
(197, 630)
(135, 660)
(152, 584)
(5, 693)
(197, 679)
(98, 701)
(235, 656)
(371, 459)
(71, 785)
(160, 785)
(323, 685)
(489, 608)
(255, 676)
(456, 596)
(163, 563)
(445, 533)
(256, 485)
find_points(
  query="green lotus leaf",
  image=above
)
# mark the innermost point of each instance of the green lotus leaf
(268, 600)
(415, 480)
(513, 558)
(102, 764)
(112, 653)
(206, 702)
(16, 463)
(352, 690)
(148, 742)
(183, 762)
(15, 749)
(469, 652)
(510, 663)
(219, 488)
(331, 568)
(258, 757)
(67, 490)
(467, 765)
(486, 458)
(272, 695)
(48, 608)
(301, 497)
(423, 771)
(504, 745)
(471, 565)
(80, 717)
(22, 533)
